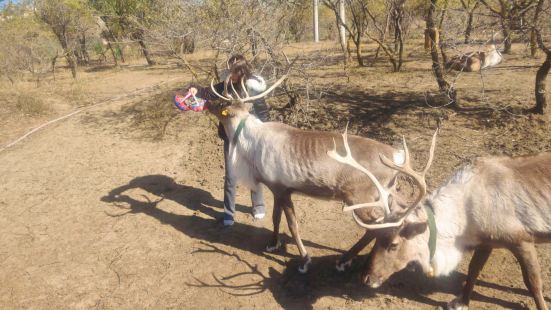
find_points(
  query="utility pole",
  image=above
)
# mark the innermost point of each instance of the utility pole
(343, 21)
(316, 22)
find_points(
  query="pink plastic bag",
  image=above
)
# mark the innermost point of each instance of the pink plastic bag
(189, 103)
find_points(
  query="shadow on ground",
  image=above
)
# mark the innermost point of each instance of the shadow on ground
(293, 290)
(242, 236)
(289, 288)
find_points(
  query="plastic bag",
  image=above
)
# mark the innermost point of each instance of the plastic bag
(189, 103)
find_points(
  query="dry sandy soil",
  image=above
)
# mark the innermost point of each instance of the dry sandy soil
(103, 210)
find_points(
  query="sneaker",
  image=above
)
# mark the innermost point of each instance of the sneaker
(259, 212)
(228, 223)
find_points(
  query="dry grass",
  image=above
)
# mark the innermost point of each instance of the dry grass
(154, 115)
(172, 189)
(22, 100)
(30, 104)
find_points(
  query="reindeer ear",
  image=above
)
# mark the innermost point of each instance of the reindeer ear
(244, 105)
(415, 224)
(232, 110)
(411, 230)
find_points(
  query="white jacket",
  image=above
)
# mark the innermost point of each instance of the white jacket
(255, 85)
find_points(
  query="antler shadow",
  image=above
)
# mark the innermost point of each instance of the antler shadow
(255, 287)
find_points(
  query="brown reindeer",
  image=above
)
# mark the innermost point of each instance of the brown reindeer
(495, 202)
(289, 160)
(475, 61)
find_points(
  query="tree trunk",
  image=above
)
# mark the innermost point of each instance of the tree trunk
(507, 43)
(341, 41)
(83, 51)
(444, 87)
(341, 17)
(252, 41)
(349, 47)
(120, 50)
(533, 43)
(358, 43)
(400, 52)
(68, 53)
(72, 63)
(541, 76)
(145, 52)
(111, 37)
(117, 47)
(78, 56)
(400, 40)
(535, 26)
(469, 28)
(53, 62)
(189, 44)
(375, 57)
(316, 21)
(113, 53)
(396, 25)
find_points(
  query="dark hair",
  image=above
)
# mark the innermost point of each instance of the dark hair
(238, 65)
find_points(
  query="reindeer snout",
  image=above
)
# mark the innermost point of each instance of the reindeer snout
(371, 281)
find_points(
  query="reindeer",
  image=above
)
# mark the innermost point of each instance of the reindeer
(289, 160)
(494, 202)
(475, 61)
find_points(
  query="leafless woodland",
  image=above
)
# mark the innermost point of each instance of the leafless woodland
(114, 203)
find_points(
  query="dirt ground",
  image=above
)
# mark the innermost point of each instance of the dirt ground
(117, 207)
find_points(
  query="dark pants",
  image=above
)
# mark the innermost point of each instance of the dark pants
(230, 184)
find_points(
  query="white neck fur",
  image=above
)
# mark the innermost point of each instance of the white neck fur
(451, 222)
(242, 154)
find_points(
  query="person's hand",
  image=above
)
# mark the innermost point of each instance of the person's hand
(193, 91)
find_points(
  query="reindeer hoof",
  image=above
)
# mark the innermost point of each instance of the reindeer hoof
(273, 248)
(304, 268)
(341, 267)
(457, 304)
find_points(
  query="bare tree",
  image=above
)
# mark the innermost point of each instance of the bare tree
(358, 27)
(444, 87)
(470, 6)
(541, 77)
(511, 14)
(62, 17)
(535, 28)
(130, 19)
(25, 46)
(394, 14)
(108, 37)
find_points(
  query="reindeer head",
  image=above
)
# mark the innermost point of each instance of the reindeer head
(232, 105)
(397, 248)
(401, 232)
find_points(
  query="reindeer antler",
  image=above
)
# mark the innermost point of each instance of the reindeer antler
(348, 159)
(247, 98)
(405, 168)
(227, 97)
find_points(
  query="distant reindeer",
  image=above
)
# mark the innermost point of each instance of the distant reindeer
(289, 160)
(475, 61)
(495, 202)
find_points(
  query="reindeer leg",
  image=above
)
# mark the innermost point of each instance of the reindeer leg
(346, 259)
(276, 218)
(289, 210)
(480, 257)
(531, 273)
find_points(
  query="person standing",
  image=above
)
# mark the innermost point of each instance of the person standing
(238, 68)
